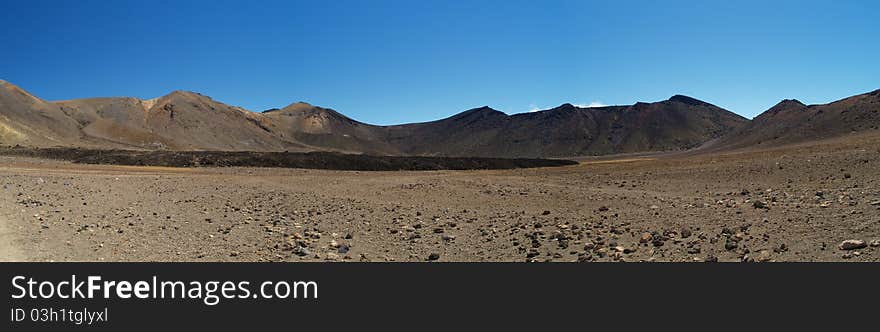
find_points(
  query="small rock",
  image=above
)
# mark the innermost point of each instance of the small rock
(730, 245)
(302, 251)
(532, 253)
(875, 243)
(686, 233)
(764, 256)
(760, 205)
(343, 249)
(852, 245)
(433, 256)
(447, 237)
(646, 237)
(545, 213)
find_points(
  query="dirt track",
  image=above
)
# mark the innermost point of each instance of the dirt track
(790, 204)
(9, 251)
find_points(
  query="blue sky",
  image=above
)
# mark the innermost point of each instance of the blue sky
(387, 62)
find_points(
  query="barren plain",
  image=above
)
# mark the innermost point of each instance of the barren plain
(791, 203)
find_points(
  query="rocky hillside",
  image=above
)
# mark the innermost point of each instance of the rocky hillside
(791, 121)
(190, 121)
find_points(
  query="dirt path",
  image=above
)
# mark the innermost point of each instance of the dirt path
(9, 252)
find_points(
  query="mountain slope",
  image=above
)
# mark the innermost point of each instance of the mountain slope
(791, 121)
(28, 120)
(674, 124)
(324, 128)
(190, 121)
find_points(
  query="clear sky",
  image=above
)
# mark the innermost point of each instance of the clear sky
(387, 62)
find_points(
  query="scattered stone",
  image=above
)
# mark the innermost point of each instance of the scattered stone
(302, 251)
(730, 245)
(852, 245)
(545, 213)
(764, 256)
(646, 237)
(783, 248)
(532, 253)
(433, 256)
(875, 243)
(343, 249)
(447, 237)
(685, 233)
(760, 205)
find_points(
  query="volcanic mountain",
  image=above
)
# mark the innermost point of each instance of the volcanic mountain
(28, 120)
(675, 124)
(325, 129)
(178, 121)
(790, 121)
(190, 121)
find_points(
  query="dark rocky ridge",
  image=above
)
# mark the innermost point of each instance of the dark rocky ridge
(790, 121)
(311, 160)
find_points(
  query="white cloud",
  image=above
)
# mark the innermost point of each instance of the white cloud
(534, 108)
(591, 105)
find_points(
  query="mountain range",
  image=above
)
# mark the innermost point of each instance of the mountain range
(185, 120)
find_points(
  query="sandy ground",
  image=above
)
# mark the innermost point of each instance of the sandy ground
(796, 203)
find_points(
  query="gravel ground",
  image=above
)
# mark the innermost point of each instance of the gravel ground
(795, 203)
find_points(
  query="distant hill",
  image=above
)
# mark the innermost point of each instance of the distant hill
(674, 124)
(28, 120)
(790, 121)
(190, 121)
